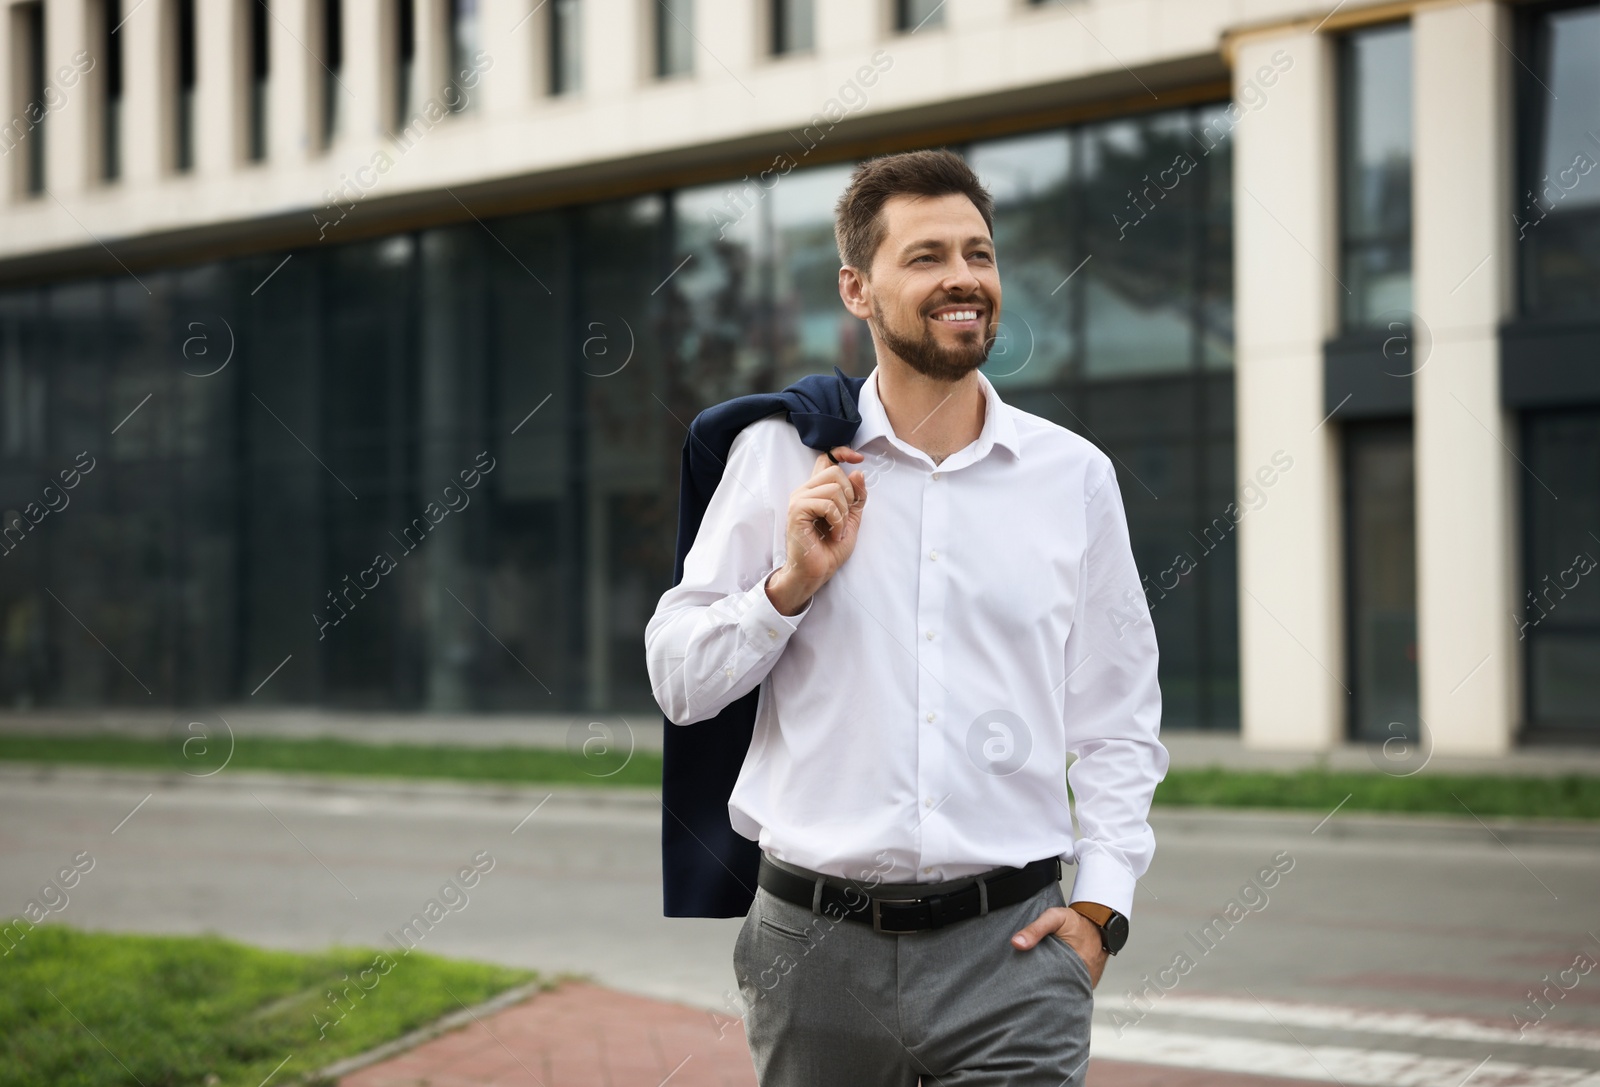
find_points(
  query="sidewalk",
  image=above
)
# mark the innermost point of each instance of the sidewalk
(585, 1034)
(641, 730)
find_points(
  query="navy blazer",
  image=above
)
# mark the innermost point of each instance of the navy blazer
(707, 868)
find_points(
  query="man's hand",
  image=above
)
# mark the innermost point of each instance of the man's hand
(1072, 927)
(824, 518)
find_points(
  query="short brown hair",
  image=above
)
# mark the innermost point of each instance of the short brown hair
(859, 228)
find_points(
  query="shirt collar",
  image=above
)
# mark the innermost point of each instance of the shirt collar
(999, 428)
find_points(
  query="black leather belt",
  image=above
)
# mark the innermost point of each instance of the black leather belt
(891, 907)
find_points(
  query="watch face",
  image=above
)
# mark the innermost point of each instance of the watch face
(1116, 932)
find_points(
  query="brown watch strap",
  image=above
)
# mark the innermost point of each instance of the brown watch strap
(1094, 911)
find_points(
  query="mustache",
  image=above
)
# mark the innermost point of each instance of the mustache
(976, 303)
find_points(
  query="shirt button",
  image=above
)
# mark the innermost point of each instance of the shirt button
(928, 871)
(928, 802)
(729, 671)
(930, 635)
(771, 633)
(935, 476)
(930, 717)
(934, 555)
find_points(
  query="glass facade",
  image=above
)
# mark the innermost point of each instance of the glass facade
(913, 15)
(1375, 175)
(793, 25)
(464, 43)
(1557, 214)
(438, 470)
(1381, 579)
(566, 46)
(674, 37)
(1558, 622)
(110, 15)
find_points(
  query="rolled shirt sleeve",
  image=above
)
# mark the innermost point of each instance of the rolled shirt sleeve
(716, 634)
(1112, 709)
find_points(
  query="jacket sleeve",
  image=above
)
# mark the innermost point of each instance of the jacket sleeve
(715, 635)
(1112, 709)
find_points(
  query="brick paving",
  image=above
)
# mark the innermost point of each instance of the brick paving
(581, 1034)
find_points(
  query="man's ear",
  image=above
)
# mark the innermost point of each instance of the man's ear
(853, 292)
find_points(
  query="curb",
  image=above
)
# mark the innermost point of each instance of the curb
(336, 1071)
(1375, 826)
(623, 798)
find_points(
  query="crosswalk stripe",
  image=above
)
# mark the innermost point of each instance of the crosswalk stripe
(1337, 1017)
(1324, 1063)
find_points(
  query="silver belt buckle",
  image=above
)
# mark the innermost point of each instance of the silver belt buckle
(877, 914)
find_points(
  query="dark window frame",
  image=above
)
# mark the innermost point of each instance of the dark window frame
(1348, 244)
(184, 84)
(258, 47)
(111, 91)
(565, 72)
(780, 14)
(665, 20)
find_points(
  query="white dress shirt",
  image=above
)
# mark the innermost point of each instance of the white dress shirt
(915, 718)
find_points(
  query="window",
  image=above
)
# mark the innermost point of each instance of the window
(674, 41)
(332, 65)
(566, 46)
(1375, 174)
(1380, 553)
(463, 47)
(257, 149)
(1557, 207)
(405, 60)
(1558, 617)
(111, 87)
(912, 15)
(793, 26)
(183, 100)
(27, 30)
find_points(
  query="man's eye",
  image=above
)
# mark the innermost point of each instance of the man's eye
(925, 256)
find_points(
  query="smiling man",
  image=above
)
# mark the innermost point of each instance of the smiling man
(929, 661)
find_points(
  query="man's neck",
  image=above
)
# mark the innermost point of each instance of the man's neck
(937, 417)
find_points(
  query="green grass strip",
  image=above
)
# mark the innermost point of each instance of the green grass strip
(180, 1010)
(1570, 797)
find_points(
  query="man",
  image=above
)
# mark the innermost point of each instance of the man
(927, 658)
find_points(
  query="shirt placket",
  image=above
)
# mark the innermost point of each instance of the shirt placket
(932, 697)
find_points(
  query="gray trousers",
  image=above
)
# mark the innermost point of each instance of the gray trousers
(832, 1003)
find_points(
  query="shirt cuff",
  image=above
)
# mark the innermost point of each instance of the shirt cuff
(762, 624)
(1103, 880)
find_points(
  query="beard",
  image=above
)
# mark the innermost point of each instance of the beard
(924, 354)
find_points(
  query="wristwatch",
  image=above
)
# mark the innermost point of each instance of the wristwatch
(1112, 925)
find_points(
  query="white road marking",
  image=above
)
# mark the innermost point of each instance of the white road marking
(1337, 1017)
(1324, 1063)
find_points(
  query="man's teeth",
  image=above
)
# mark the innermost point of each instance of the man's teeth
(959, 315)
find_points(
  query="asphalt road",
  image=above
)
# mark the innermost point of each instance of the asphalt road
(1380, 953)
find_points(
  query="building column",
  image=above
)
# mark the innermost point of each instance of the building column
(1469, 665)
(289, 67)
(516, 75)
(71, 127)
(221, 75)
(618, 46)
(368, 53)
(149, 80)
(1291, 623)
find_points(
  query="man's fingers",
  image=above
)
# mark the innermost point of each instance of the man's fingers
(821, 509)
(1047, 922)
(831, 490)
